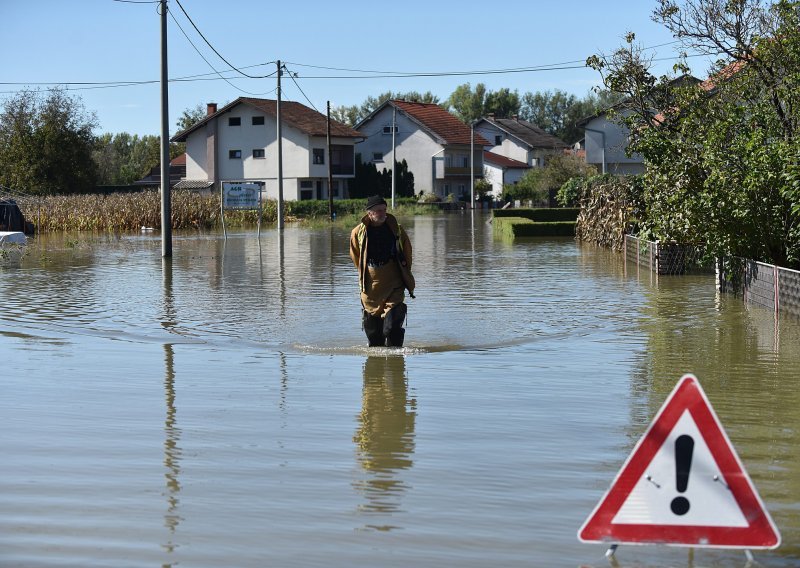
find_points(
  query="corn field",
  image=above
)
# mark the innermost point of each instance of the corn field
(120, 212)
(606, 214)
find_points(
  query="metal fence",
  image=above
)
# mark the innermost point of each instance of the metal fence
(665, 258)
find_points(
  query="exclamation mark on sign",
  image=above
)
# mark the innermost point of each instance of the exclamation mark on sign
(684, 447)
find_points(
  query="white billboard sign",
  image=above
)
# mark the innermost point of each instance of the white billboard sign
(240, 195)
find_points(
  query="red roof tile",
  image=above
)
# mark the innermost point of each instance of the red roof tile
(503, 161)
(440, 122)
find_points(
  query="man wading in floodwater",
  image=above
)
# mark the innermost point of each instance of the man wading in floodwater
(381, 251)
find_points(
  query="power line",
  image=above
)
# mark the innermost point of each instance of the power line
(207, 61)
(292, 77)
(213, 49)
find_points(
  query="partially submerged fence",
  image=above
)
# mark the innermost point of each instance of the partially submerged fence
(664, 258)
(760, 284)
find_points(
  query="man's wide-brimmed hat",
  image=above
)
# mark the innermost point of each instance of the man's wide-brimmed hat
(375, 200)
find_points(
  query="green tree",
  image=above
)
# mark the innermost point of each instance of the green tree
(369, 181)
(46, 143)
(558, 112)
(466, 104)
(721, 157)
(123, 158)
(190, 116)
(538, 184)
(502, 103)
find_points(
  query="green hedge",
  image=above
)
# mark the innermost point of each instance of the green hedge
(310, 208)
(513, 227)
(541, 215)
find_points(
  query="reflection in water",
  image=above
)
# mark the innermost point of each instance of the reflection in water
(172, 433)
(385, 437)
(172, 452)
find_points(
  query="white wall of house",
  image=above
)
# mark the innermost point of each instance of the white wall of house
(247, 139)
(499, 176)
(602, 135)
(509, 146)
(414, 146)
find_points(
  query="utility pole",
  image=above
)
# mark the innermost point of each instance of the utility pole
(394, 149)
(330, 166)
(280, 150)
(166, 206)
(472, 166)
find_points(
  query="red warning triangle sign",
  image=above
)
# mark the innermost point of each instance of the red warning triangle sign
(683, 485)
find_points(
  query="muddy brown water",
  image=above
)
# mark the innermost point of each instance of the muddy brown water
(220, 408)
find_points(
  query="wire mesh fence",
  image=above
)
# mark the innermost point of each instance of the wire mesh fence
(666, 258)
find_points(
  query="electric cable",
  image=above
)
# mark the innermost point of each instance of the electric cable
(208, 62)
(214, 49)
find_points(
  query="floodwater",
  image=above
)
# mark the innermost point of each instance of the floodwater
(220, 408)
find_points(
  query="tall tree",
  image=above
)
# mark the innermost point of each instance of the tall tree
(502, 103)
(190, 116)
(46, 143)
(468, 104)
(558, 112)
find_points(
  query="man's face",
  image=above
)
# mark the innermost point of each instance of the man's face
(377, 215)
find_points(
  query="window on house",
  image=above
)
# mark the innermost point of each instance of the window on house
(306, 184)
(258, 152)
(498, 140)
(306, 194)
(388, 129)
(464, 161)
(377, 156)
(448, 161)
(319, 156)
(258, 121)
(235, 154)
(234, 121)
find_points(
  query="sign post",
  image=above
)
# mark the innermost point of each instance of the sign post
(240, 196)
(683, 485)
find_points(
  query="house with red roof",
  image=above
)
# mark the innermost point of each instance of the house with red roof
(238, 143)
(520, 140)
(501, 171)
(438, 148)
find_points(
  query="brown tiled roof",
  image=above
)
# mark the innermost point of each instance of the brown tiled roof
(439, 122)
(527, 132)
(193, 184)
(503, 161)
(294, 114)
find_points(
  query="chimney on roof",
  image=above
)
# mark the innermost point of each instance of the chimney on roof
(491, 115)
(211, 108)
(515, 117)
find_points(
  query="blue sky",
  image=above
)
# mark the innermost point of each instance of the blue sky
(55, 41)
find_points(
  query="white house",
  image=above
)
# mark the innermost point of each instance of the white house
(434, 143)
(519, 140)
(605, 143)
(501, 171)
(239, 143)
